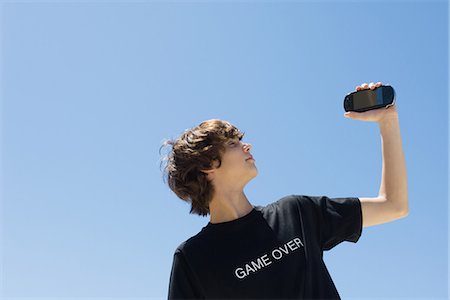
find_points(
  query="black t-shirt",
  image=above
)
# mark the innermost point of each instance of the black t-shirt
(273, 252)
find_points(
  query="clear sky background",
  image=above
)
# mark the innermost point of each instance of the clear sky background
(89, 91)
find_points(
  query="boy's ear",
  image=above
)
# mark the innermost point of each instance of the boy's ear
(209, 172)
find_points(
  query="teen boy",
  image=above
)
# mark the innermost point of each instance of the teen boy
(273, 251)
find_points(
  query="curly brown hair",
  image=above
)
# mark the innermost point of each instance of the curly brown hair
(196, 149)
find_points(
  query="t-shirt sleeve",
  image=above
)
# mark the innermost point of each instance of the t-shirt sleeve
(340, 219)
(181, 283)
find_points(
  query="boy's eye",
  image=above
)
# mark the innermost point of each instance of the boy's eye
(235, 141)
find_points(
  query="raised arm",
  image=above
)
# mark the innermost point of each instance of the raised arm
(392, 200)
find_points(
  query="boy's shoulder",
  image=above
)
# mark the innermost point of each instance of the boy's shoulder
(288, 201)
(193, 243)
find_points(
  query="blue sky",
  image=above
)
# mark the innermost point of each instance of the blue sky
(89, 91)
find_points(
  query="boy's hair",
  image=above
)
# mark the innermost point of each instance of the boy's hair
(196, 149)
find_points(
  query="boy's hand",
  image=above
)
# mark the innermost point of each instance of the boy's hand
(376, 115)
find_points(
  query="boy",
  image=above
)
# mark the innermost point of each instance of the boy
(273, 251)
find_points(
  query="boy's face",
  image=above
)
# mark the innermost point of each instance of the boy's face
(236, 169)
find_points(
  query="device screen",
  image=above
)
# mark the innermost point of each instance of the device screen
(367, 98)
